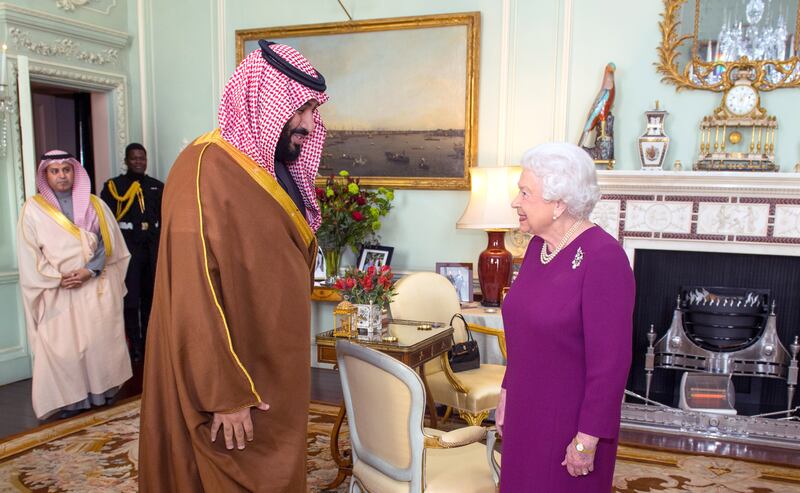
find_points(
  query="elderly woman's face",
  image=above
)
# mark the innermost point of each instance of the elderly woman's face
(535, 213)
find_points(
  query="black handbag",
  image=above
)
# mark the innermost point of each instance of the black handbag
(465, 355)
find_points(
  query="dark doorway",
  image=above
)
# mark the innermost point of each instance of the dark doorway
(62, 119)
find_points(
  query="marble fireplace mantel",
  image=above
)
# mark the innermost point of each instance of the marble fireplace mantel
(722, 211)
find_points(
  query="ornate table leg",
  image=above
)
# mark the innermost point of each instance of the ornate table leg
(342, 460)
(429, 398)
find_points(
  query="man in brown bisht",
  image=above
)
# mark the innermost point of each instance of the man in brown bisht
(226, 378)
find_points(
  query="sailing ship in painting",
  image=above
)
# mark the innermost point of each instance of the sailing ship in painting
(407, 153)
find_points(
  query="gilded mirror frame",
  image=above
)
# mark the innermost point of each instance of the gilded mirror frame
(469, 20)
(669, 51)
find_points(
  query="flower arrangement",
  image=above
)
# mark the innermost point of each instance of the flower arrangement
(371, 286)
(350, 214)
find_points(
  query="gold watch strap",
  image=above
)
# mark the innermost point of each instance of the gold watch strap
(585, 450)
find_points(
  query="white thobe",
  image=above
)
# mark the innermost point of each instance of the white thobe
(76, 335)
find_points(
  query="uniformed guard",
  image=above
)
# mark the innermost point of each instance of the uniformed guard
(135, 200)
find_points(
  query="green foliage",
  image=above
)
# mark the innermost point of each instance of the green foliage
(350, 213)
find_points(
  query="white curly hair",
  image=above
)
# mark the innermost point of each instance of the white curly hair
(567, 173)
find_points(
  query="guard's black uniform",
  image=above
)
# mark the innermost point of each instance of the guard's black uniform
(140, 226)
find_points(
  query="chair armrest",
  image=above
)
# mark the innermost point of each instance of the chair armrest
(457, 385)
(501, 335)
(492, 439)
(456, 438)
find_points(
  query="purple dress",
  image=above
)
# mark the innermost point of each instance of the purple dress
(568, 326)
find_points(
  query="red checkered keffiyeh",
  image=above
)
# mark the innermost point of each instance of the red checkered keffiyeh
(85, 215)
(257, 102)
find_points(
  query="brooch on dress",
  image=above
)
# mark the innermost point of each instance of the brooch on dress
(578, 258)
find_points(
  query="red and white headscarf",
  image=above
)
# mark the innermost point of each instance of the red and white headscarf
(84, 214)
(257, 102)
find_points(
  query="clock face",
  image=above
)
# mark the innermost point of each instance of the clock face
(741, 100)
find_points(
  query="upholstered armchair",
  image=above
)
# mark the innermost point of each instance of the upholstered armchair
(473, 393)
(392, 453)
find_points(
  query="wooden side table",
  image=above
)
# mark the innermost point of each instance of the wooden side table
(325, 293)
(413, 347)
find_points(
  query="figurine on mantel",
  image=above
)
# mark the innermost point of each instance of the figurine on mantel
(601, 122)
(653, 145)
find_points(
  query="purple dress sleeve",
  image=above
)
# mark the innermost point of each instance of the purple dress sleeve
(607, 311)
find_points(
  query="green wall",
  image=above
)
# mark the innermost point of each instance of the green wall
(632, 48)
(541, 62)
(519, 102)
(92, 28)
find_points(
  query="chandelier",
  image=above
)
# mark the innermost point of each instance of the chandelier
(757, 36)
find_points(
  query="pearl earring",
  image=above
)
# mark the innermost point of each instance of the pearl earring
(555, 217)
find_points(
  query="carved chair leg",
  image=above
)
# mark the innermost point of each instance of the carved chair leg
(447, 413)
(473, 419)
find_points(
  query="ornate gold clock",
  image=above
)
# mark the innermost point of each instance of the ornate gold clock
(739, 135)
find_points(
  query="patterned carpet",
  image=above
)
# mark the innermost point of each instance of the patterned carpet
(98, 453)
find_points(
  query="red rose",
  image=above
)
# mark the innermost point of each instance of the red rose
(320, 193)
(351, 283)
(367, 284)
(371, 270)
(357, 216)
(339, 284)
(360, 200)
(385, 268)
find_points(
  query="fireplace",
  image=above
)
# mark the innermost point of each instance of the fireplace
(734, 229)
(661, 275)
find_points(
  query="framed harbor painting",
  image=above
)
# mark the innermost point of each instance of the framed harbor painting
(403, 94)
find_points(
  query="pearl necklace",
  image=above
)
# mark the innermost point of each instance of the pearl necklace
(545, 257)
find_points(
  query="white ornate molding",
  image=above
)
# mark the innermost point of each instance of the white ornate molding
(94, 81)
(716, 211)
(40, 22)
(700, 182)
(787, 221)
(64, 47)
(71, 5)
(671, 217)
(14, 134)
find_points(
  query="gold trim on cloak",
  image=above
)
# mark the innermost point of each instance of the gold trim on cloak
(211, 284)
(264, 180)
(104, 231)
(57, 216)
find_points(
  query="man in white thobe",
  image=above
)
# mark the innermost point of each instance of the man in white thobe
(72, 264)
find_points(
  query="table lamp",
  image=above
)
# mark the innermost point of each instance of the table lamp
(489, 208)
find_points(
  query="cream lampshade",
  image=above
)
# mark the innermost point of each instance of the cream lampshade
(489, 208)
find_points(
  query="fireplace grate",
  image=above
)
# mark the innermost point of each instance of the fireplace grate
(724, 318)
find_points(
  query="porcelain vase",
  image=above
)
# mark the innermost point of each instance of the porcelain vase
(654, 143)
(369, 317)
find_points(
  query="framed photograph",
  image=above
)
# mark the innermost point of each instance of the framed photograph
(319, 270)
(374, 256)
(460, 274)
(394, 118)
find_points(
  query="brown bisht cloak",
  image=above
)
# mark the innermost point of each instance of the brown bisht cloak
(229, 327)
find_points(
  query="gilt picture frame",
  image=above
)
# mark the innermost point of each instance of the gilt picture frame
(394, 118)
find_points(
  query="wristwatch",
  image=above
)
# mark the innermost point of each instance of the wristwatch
(581, 447)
